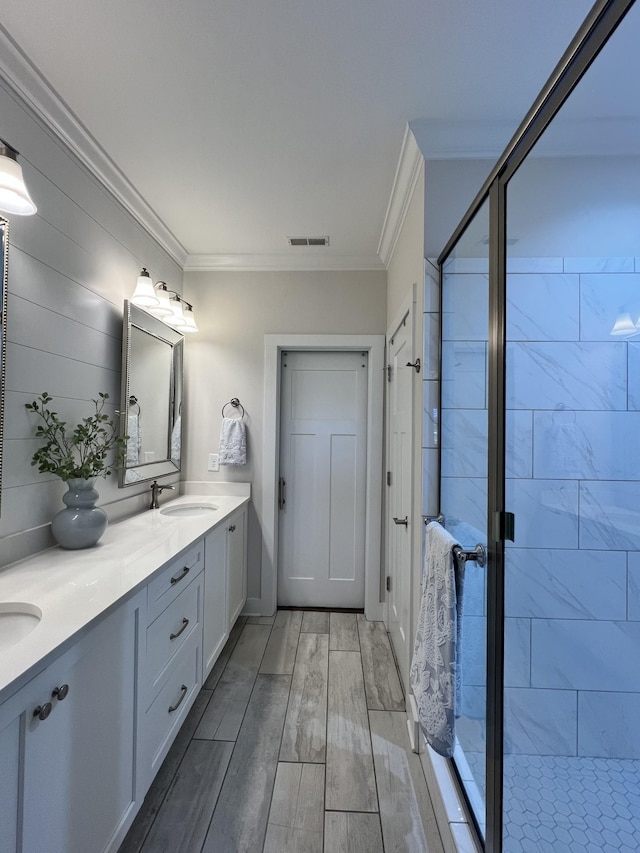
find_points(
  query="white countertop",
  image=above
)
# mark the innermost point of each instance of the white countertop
(74, 588)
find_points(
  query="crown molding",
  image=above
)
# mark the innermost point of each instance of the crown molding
(41, 99)
(282, 263)
(404, 183)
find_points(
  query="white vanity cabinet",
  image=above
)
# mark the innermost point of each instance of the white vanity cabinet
(225, 583)
(81, 742)
(67, 744)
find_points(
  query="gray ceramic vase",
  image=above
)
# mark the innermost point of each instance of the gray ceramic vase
(81, 523)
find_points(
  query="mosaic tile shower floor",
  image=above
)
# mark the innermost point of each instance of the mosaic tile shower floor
(556, 804)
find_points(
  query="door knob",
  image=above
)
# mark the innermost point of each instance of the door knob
(416, 365)
(404, 520)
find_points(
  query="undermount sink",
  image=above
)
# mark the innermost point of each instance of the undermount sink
(188, 509)
(17, 620)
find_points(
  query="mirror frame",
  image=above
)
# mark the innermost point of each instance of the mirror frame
(4, 293)
(135, 318)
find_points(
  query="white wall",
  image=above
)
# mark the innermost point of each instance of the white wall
(70, 268)
(234, 311)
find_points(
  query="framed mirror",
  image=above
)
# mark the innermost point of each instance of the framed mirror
(4, 266)
(151, 400)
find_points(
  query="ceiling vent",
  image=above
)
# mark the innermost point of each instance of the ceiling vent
(308, 241)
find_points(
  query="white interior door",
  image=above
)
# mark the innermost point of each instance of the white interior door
(323, 451)
(400, 407)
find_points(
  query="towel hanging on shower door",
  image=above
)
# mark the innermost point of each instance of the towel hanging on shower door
(435, 674)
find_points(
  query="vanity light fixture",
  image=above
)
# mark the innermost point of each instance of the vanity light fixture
(144, 295)
(14, 196)
(165, 304)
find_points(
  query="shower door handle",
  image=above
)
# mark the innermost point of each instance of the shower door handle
(281, 493)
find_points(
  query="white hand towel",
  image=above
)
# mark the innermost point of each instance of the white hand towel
(176, 441)
(134, 442)
(434, 668)
(232, 449)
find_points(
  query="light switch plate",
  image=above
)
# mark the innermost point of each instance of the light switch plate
(214, 465)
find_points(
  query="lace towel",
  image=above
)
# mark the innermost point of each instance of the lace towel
(134, 442)
(176, 441)
(434, 672)
(233, 442)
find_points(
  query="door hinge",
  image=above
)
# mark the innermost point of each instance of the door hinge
(389, 372)
(388, 583)
(388, 478)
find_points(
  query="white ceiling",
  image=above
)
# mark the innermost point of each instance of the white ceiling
(241, 123)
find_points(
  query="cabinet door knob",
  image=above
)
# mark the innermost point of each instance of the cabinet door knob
(61, 692)
(185, 622)
(43, 711)
(232, 528)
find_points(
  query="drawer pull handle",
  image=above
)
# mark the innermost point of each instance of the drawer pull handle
(61, 692)
(185, 622)
(182, 575)
(43, 711)
(183, 692)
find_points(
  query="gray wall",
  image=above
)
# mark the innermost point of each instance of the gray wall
(234, 311)
(70, 268)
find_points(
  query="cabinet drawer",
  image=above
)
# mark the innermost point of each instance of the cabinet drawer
(168, 710)
(173, 579)
(168, 633)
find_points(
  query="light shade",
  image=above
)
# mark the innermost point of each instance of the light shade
(144, 295)
(163, 308)
(177, 317)
(14, 196)
(189, 320)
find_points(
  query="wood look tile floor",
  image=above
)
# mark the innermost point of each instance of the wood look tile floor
(297, 743)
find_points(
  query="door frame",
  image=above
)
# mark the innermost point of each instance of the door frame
(274, 345)
(408, 309)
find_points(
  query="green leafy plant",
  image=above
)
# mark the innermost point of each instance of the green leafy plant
(83, 452)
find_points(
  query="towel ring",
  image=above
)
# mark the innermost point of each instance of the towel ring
(133, 401)
(236, 405)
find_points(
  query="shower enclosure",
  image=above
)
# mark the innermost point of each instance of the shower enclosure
(540, 460)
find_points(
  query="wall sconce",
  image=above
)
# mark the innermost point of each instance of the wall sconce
(164, 304)
(14, 196)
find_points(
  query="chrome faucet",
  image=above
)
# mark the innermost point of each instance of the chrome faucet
(156, 488)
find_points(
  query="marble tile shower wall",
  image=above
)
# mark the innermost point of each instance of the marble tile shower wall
(573, 466)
